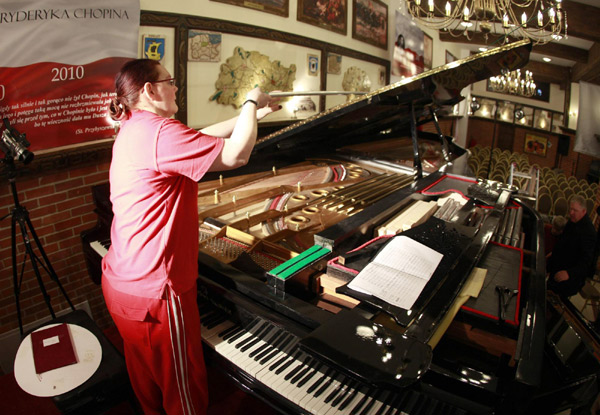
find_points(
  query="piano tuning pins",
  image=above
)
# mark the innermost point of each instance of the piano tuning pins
(299, 186)
(216, 197)
(274, 171)
(221, 179)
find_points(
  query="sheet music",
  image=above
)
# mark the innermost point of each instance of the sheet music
(399, 272)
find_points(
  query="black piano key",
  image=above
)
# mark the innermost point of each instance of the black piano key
(372, 396)
(356, 408)
(319, 381)
(267, 355)
(386, 398)
(303, 372)
(249, 339)
(233, 331)
(395, 400)
(270, 356)
(280, 361)
(323, 387)
(269, 345)
(297, 369)
(310, 375)
(260, 338)
(344, 393)
(287, 364)
(216, 321)
(236, 335)
(262, 348)
(225, 334)
(350, 397)
(211, 318)
(336, 390)
(275, 352)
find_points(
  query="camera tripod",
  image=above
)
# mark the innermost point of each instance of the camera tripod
(20, 216)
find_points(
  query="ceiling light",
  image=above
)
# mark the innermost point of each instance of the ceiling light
(546, 59)
(539, 20)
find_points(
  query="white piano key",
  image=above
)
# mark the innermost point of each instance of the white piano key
(99, 248)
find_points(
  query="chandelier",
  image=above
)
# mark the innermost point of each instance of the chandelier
(539, 20)
(513, 83)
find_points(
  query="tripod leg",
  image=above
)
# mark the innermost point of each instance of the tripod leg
(47, 263)
(16, 285)
(33, 259)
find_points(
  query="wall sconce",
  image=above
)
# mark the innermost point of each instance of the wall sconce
(519, 113)
(475, 105)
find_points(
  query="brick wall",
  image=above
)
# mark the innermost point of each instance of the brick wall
(60, 207)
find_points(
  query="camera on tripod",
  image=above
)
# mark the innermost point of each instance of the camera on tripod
(14, 144)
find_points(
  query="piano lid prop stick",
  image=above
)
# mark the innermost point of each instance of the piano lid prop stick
(306, 93)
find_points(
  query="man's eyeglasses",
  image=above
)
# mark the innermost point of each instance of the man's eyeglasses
(171, 81)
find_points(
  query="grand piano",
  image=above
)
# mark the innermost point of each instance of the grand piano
(283, 239)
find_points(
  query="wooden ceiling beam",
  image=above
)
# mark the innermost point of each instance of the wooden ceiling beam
(590, 71)
(546, 72)
(583, 20)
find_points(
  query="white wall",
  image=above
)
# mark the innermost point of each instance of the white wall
(207, 8)
(290, 24)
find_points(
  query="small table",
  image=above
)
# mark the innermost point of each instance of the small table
(64, 379)
(109, 384)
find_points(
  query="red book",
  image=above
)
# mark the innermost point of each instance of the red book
(52, 348)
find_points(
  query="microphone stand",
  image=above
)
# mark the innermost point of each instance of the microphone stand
(20, 216)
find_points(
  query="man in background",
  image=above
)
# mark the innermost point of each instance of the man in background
(572, 259)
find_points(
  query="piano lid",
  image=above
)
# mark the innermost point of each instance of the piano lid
(387, 110)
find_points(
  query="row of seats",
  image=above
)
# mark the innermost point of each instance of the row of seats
(554, 189)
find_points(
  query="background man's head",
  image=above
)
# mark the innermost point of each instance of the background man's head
(577, 208)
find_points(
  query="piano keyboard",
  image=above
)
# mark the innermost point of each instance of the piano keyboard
(271, 356)
(101, 247)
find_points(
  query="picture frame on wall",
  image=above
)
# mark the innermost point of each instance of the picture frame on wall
(535, 144)
(370, 22)
(277, 7)
(154, 47)
(330, 14)
(427, 52)
(334, 63)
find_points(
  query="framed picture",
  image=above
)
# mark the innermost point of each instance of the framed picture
(370, 22)
(450, 57)
(154, 47)
(427, 51)
(535, 144)
(313, 64)
(204, 46)
(278, 7)
(334, 63)
(326, 14)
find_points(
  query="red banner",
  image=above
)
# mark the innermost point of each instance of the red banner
(58, 95)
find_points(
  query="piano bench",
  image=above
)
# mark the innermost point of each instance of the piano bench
(108, 387)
